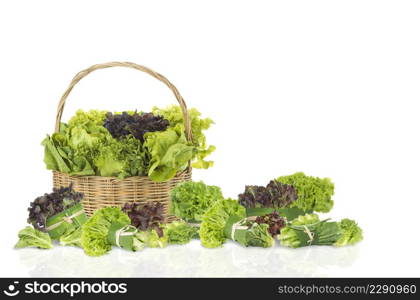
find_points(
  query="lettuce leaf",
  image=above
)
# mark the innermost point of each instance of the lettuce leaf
(174, 115)
(95, 231)
(180, 232)
(351, 233)
(169, 153)
(190, 200)
(72, 238)
(149, 238)
(30, 237)
(314, 193)
(214, 220)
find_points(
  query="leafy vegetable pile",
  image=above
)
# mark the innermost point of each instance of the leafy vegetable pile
(283, 210)
(128, 144)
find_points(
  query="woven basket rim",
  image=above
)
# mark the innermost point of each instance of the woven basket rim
(187, 170)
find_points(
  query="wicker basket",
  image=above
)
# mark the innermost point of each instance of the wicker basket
(110, 191)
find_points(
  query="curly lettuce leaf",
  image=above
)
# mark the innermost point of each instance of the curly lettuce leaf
(174, 115)
(169, 153)
(351, 233)
(149, 238)
(214, 221)
(95, 231)
(314, 193)
(190, 200)
(30, 237)
(72, 238)
(85, 147)
(180, 232)
(121, 158)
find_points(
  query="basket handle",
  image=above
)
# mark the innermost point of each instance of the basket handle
(82, 74)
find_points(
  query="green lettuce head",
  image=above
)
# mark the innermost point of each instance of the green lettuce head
(190, 200)
(94, 239)
(180, 232)
(314, 193)
(351, 233)
(214, 221)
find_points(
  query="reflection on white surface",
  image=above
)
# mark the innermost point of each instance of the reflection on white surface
(188, 261)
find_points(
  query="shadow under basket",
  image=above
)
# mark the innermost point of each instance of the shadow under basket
(99, 192)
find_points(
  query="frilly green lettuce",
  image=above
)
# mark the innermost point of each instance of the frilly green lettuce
(30, 237)
(351, 233)
(180, 232)
(190, 200)
(314, 193)
(169, 153)
(95, 231)
(72, 238)
(214, 220)
(149, 238)
(174, 115)
(85, 147)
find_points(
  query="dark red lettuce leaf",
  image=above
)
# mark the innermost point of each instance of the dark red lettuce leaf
(274, 195)
(51, 204)
(136, 124)
(146, 216)
(274, 221)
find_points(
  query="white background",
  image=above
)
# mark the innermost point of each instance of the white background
(330, 88)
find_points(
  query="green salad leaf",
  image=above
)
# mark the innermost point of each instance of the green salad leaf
(190, 200)
(72, 238)
(169, 153)
(180, 232)
(149, 238)
(174, 115)
(351, 233)
(214, 221)
(314, 193)
(94, 239)
(30, 237)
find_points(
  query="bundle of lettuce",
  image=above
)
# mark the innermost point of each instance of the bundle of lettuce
(309, 230)
(291, 196)
(262, 212)
(256, 231)
(53, 216)
(133, 227)
(283, 210)
(128, 144)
